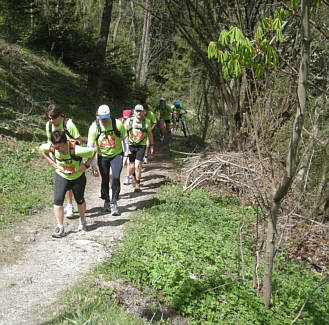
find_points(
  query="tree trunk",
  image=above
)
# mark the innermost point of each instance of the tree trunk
(144, 51)
(281, 191)
(133, 30)
(95, 74)
(116, 27)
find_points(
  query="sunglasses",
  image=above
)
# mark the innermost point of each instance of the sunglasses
(53, 117)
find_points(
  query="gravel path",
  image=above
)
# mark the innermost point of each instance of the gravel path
(35, 268)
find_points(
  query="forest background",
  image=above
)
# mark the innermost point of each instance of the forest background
(253, 76)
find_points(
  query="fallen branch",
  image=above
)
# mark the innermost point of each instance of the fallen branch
(184, 153)
(311, 220)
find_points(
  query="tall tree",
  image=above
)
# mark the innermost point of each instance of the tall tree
(198, 22)
(95, 73)
(291, 163)
(144, 50)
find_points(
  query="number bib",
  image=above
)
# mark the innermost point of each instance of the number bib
(137, 135)
(68, 169)
(107, 143)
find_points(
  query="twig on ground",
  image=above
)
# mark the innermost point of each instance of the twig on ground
(323, 281)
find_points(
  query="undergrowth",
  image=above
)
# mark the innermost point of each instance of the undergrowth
(89, 304)
(24, 183)
(184, 246)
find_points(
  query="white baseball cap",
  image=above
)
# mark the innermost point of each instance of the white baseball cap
(103, 112)
(139, 107)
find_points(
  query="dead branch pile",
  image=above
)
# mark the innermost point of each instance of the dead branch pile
(227, 173)
(243, 176)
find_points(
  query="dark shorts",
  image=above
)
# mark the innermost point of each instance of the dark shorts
(136, 152)
(63, 185)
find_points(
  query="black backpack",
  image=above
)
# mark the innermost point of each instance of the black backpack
(114, 125)
(65, 119)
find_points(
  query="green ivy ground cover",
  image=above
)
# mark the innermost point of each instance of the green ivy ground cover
(23, 183)
(184, 245)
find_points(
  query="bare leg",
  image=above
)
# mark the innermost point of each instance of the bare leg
(82, 209)
(69, 197)
(59, 214)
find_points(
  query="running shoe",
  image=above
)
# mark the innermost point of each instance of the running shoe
(126, 181)
(146, 160)
(82, 224)
(69, 212)
(107, 207)
(59, 232)
(115, 210)
(137, 188)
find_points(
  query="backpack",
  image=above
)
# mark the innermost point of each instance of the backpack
(72, 152)
(64, 127)
(114, 125)
(143, 128)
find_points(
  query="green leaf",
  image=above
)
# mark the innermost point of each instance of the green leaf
(259, 33)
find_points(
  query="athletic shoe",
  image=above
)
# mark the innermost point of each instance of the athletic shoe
(59, 232)
(130, 179)
(115, 210)
(126, 181)
(82, 224)
(146, 161)
(137, 188)
(107, 207)
(162, 138)
(69, 212)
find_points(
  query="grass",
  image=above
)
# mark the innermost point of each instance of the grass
(28, 84)
(184, 246)
(88, 303)
(25, 185)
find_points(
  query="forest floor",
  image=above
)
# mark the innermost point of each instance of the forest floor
(35, 268)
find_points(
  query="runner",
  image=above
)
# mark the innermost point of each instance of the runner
(107, 133)
(125, 115)
(149, 115)
(58, 122)
(178, 111)
(164, 116)
(69, 175)
(139, 129)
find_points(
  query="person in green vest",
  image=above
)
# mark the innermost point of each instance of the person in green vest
(164, 111)
(178, 111)
(139, 129)
(56, 121)
(109, 136)
(69, 175)
(149, 115)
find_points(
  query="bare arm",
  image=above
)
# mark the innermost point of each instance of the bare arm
(151, 141)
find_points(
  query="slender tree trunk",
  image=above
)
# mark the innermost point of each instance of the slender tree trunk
(116, 27)
(95, 74)
(133, 30)
(144, 52)
(281, 191)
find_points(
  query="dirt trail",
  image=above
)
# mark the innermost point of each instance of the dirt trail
(41, 267)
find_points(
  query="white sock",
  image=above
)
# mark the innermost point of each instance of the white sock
(69, 205)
